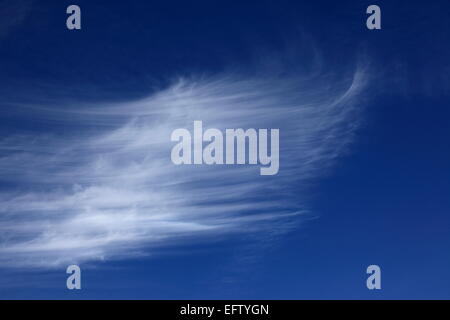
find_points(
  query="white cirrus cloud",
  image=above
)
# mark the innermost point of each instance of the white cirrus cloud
(110, 190)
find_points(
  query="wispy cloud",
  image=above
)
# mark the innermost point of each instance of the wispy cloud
(110, 190)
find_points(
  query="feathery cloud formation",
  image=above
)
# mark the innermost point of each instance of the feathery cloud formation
(112, 192)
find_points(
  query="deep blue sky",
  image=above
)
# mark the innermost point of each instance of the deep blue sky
(386, 202)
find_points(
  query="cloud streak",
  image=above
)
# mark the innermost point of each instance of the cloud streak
(110, 190)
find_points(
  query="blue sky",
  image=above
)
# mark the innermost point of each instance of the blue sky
(85, 171)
